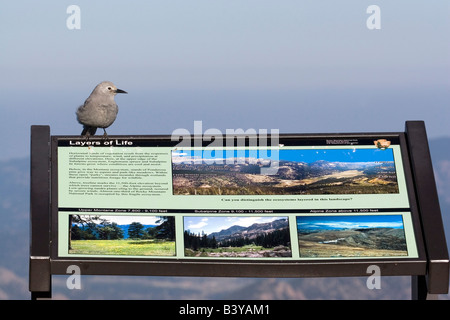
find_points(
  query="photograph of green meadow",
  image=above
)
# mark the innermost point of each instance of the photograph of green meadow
(122, 235)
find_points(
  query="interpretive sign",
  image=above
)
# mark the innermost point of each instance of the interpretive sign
(307, 205)
(127, 198)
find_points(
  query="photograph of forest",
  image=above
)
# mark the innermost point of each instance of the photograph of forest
(122, 235)
(267, 238)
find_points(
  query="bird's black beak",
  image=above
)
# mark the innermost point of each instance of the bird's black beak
(120, 91)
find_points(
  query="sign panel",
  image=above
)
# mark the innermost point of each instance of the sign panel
(305, 199)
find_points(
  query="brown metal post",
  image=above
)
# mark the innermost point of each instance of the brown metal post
(437, 280)
(39, 268)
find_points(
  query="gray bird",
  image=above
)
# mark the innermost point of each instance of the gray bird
(99, 110)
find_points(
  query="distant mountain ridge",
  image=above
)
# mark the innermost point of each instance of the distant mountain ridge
(250, 232)
(286, 169)
(291, 177)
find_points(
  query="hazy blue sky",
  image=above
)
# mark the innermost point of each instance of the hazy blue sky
(297, 66)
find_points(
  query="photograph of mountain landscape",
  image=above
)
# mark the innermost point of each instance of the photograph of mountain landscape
(237, 237)
(122, 235)
(299, 171)
(351, 236)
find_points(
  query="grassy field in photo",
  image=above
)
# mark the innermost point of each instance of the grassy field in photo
(125, 247)
(223, 251)
(351, 236)
(247, 251)
(310, 249)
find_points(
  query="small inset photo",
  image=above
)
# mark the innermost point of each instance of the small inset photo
(237, 237)
(121, 235)
(351, 236)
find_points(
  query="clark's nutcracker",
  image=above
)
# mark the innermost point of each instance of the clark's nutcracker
(99, 110)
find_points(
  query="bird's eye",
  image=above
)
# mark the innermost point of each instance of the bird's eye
(109, 88)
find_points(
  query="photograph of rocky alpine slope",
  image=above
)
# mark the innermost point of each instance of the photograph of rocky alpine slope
(351, 236)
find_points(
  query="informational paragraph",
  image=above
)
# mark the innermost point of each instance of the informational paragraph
(117, 174)
(103, 188)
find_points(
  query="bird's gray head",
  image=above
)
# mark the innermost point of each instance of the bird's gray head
(107, 88)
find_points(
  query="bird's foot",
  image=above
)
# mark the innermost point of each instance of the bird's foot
(105, 135)
(86, 136)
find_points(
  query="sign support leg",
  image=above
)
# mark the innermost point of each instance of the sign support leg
(40, 271)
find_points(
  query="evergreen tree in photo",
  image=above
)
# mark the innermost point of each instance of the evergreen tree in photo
(151, 232)
(266, 240)
(104, 232)
(213, 243)
(86, 228)
(191, 240)
(166, 230)
(136, 230)
(109, 231)
(117, 231)
(76, 233)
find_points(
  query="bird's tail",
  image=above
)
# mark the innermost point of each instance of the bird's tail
(87, 130)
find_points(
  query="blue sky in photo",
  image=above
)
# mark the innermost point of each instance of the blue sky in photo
(126, 220)
(308, 156)
(337, 155)
(350, 222)
(215, 224)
